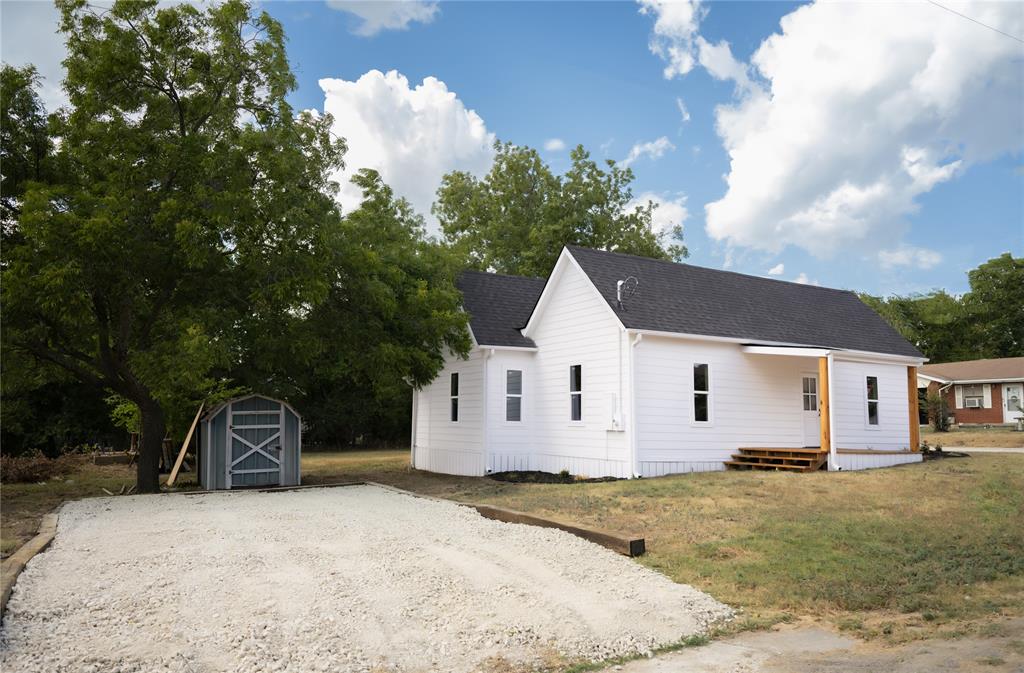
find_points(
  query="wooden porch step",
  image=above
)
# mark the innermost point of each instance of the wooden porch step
(745, 465)
(782, 458)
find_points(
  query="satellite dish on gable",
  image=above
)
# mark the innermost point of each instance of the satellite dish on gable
(624, 289)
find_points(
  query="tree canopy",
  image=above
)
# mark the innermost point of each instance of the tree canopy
(986, 322)
(517, 218)
(191, 235)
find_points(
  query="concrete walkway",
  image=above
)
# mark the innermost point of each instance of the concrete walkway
(810, 649)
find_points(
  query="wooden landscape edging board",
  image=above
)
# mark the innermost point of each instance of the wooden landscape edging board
(16, 562)
(617, 543)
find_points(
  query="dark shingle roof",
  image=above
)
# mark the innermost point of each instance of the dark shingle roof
(686, 299)
(498, 306)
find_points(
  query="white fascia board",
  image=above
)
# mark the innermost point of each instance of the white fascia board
(527, 349)
(794, 351)
(840, 354)
(565, 259)
(937, 379)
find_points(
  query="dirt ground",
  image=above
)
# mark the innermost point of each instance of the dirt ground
(810, 649)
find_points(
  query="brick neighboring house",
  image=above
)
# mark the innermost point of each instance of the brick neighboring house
(978, 392)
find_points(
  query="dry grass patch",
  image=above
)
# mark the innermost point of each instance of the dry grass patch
(996, 437)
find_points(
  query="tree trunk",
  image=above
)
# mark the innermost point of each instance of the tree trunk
(150, 446)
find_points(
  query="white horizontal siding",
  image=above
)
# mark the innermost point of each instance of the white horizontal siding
(863, 461)
(509, 443)
(755, 399)
(577, 327)
(849, 406)
(444, 446)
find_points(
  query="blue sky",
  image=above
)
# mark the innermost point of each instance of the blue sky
(860, 214)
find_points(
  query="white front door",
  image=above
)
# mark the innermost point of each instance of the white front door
(812, 421)
(1013, 398)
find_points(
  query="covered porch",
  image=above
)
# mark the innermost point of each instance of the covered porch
(823, 447)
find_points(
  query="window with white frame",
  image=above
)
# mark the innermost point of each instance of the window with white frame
(576, 392)
(871, 394)
(701, 393)
(810, 393)
(454, 393)
(974, 397)
(514, 395)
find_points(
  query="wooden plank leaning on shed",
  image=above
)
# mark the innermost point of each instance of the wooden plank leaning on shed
(184, 447)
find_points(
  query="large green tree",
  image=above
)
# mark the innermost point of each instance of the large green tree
(190, 198)
(996, 306)
(390, 314)
(987, 322)
(517, 218)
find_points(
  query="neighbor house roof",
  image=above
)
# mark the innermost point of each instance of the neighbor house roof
(498, 306)
(687, 299)
(997, 369)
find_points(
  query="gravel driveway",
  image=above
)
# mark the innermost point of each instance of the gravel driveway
(342, 579)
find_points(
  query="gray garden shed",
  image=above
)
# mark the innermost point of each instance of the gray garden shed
(250, 441)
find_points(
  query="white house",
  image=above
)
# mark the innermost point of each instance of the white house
(626, 366)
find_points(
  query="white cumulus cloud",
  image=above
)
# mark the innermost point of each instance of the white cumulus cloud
(670, 211)
(909, 256)
(777, 270)
(675, 30)
(380, 15)
(411, 135)
(554, 145)
(865, 107)
(654, 149)
(850, 113)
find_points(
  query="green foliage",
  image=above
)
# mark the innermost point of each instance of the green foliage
(987, 322)
(390, 313)
(190, 197)
(517, 218)
(26, 149)
(938, 412)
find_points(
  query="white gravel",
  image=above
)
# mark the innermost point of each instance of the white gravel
(342, 579)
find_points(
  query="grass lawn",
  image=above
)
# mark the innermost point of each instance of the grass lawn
(997, 437)
(900, 553)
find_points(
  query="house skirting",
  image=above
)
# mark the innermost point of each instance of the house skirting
(867, 460)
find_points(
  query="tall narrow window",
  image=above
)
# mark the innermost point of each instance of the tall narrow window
(576, 392)
(514, 395)
(872, 397)
(454, 392)
(701, 393)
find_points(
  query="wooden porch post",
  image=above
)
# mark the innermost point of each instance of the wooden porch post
(824, 404)
(915, 421)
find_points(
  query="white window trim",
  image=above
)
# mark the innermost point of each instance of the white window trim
(579, 392)
(709, 392)
(507, 394)
(458, 414)
(815, 394)
(878, 401)
(981, 397)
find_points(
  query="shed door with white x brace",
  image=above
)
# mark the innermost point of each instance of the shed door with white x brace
(255, 437)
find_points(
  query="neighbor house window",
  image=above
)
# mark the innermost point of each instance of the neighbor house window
(454, 392)
(701, 393)
(974, 397)
(514, 395)
(576, 392)
(872, 397)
